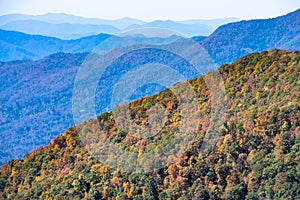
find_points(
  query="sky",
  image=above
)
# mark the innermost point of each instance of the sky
(149, 10)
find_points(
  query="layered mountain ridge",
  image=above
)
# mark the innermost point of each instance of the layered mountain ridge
(67, 26)
(226, 44)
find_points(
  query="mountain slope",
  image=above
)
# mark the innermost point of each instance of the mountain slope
(255, 157)
(230, 42)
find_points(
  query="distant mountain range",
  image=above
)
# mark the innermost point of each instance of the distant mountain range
(71, 27)
(63, 30)
(59, 18)
(224, 45)
(21, 46)
(184, 28)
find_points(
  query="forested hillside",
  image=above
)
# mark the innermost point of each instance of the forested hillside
(256, 156)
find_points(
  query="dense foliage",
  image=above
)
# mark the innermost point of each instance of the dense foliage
(256, 157)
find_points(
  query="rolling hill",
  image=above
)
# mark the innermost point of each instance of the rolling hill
(255, 156)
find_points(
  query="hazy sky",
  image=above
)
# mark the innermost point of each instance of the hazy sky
(154, 9)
